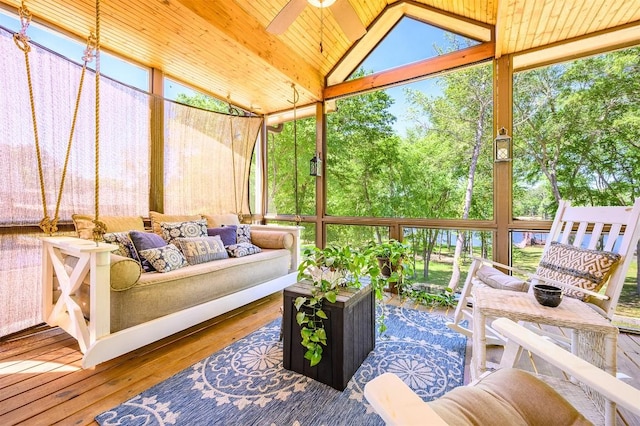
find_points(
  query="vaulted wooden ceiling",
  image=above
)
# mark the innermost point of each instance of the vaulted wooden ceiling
(222, 47)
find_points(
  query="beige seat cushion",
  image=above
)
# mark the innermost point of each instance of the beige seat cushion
(497, 279)
(84, 224)
(507, 397)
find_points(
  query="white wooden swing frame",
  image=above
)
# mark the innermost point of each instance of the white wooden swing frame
(94, 336)
(96, 341)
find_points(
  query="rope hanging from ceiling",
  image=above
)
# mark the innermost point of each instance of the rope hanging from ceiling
(47, 224)
(296, 97)
(234, 112)
(99, 227)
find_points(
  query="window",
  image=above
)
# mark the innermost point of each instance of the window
(290, 188)
(442, 168)
(576, 138)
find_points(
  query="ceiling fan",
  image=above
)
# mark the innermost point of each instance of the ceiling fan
(342, 10)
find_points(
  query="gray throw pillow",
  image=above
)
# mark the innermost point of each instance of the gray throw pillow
(201, 249)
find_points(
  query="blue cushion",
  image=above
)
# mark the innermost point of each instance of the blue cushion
(145, 241)
(226, 233)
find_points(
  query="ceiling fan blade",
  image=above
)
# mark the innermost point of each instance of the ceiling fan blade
(286, 16)
(348, 20)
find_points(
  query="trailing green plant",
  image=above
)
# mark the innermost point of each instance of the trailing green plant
(446, 298)
(393, 257)
(329, 269)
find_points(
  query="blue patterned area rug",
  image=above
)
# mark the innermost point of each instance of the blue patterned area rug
(245, 383)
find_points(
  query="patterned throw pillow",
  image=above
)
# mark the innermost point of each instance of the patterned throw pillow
(164, 259)
(588, 269)
(144, 241)
(202, 249)
(244, 234)
(124, 243)
(228, 234)
(242, 249)
(190, 229)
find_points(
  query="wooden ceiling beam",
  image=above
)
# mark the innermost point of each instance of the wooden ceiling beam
(248, 34)
(425, 68)
(388, 19)
(620, 37)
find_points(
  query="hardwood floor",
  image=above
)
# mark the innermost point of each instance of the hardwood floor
(41, 382)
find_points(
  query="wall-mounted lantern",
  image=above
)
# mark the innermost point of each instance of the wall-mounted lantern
(315, 165)
(502, 146)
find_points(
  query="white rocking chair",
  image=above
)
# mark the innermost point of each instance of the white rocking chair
(510, 396)
(616, 228)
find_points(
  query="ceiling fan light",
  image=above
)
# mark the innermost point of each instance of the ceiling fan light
(321, 3)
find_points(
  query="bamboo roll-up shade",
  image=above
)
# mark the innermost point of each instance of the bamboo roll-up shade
(207, 161)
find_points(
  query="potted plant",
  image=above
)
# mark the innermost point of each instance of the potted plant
(328, 270)
(391, 256)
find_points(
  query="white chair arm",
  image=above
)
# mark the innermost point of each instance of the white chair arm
(607, 385)
(397, 404)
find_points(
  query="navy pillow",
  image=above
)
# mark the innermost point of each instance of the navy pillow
(145, 241)
(226, 233)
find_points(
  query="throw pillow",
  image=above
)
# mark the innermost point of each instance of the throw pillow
(588, 269)
(84, 224)
(244, 234)
(226, 233)
(164, 259)
(144, 241)
(242, 249)
(202, 249)
(497, 279)
(191, 229)
(122, 240)
(158, 218)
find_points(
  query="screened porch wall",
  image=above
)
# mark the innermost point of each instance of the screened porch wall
(124, 163)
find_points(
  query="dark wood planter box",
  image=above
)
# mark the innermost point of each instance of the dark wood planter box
(350, 331)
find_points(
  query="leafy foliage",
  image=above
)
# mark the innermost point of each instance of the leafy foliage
(330, 269)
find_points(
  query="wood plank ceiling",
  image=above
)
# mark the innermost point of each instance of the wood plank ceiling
(222, 47)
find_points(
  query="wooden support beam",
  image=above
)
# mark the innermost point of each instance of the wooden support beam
(425, 68)
(156, 162)
(321, 193)
(390, 17)
(502, 171)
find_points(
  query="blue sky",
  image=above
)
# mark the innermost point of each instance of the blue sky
(408, 42)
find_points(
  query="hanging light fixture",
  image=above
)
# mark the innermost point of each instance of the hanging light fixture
(502, 146)
(315, 165)
(321, 3)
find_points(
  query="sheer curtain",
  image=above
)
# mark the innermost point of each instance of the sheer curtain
(124, 163)
(207, 160)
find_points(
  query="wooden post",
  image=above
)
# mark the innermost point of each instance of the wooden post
(502, 171)
(321, 193)
(156, 181)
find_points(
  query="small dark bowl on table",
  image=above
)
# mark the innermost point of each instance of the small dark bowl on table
(547, 295)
